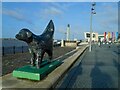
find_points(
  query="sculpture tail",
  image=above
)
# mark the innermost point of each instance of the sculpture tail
(49, 31)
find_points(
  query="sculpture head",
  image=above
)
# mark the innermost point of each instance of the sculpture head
(24, 35)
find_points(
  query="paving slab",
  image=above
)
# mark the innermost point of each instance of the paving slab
(97, 69)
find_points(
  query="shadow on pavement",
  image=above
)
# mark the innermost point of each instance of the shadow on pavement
(71, 78)
(99, 79)
(116, 64)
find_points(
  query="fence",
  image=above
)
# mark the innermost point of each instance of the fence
(17, 49)
(14, 50)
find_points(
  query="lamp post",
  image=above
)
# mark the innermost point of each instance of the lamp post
(92, 12)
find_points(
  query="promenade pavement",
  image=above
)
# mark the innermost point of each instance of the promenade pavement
(96, 69)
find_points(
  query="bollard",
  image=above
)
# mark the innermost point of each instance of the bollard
(62, 43)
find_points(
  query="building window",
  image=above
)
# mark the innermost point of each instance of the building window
(88, 35)
(93, 35)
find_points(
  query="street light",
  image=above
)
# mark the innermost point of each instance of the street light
(92, 12)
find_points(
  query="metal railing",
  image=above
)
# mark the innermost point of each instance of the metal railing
(17, 49)
(14, 50)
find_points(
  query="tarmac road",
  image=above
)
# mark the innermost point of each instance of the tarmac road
(96, 69)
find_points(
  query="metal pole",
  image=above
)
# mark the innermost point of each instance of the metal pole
(92, 12)
(90, 48)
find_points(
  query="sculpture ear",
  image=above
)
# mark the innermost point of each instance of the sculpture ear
(49, 28)
(29, 34)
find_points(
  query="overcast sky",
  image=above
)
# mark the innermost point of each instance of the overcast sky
(36, 15)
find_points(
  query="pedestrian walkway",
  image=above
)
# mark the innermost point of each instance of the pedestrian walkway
(96, 69)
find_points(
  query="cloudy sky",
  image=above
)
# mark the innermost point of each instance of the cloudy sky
(36, 15)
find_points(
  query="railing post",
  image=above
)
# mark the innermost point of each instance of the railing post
(13, 49)
(3, 49)
(22, 49)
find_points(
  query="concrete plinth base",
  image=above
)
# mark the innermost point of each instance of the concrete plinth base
(32, 73)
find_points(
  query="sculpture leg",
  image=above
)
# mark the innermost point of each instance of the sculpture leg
(49, 52)
(39, 58)
(33, 59)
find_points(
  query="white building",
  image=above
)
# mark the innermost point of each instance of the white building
(102, 37)
(94, 36)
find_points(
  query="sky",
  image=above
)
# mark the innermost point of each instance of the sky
(36, 15)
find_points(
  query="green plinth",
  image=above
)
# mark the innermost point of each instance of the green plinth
(32, 73)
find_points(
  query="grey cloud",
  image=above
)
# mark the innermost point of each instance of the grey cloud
(52, 11)
(16, 15)
(63, 6)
